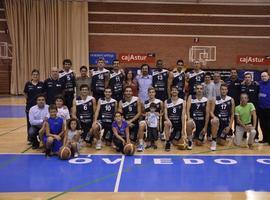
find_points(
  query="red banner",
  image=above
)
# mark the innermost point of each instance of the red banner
(137, 57)
(255, 60)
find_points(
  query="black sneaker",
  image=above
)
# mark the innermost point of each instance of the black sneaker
(167, 146)
(48, 152)
(148, 146)
(154, 146)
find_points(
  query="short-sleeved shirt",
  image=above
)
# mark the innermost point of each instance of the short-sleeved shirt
(244, 112)
(32, 90)
(209, 90)
(144, 83)
(120, 129)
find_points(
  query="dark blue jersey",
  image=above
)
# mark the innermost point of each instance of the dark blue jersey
(198, 108)
(147, 105)
(116, 82)
(107, 110)
(194, 79)
(179, 81)
(130, 108)
(223, 108)
(160, 81)
(174, 110)
(98, 80)
(85, 109)
(68, 79)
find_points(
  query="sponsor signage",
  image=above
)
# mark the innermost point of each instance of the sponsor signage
(254, 60)
(108, 57)
(137, 57)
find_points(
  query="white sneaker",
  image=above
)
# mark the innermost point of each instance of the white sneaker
(76, 155)
(98, 145)
(140, 148)
(213, 146)
(190, 144)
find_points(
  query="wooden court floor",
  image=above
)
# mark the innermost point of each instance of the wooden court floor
(13, 140)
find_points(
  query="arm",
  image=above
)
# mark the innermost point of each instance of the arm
(166, 112)
(188, 107)
(183, 120)
(232, 114)
(107, 79)
(212, 108)
(115, 132)
(254, 118)
(206, 116)
(142, 109)
(120, 108)
(32, 120)
(127, 134)
(94, 105)
(74, 109)
(170, 79)
(161, 108)
(97, 112)
(139, 112)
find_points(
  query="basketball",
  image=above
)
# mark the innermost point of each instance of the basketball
(64, 153)
(182, 145)
(129, 149)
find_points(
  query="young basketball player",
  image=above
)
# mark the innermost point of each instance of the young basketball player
(120, 132)
(72, 137)
(53, 139)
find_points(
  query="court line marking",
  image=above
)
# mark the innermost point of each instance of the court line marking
(104, 178)
(119, 175)
(179, 24)
(10, 131)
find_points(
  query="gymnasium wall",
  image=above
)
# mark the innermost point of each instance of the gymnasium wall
(234, 29)
(5, 64)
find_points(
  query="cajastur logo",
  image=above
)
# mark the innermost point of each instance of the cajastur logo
(137, 57)
(256, 60)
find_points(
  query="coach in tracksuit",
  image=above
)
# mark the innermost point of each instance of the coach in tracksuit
(264, 106)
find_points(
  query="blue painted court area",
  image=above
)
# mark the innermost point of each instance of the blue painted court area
(155, 173)
(12, 111)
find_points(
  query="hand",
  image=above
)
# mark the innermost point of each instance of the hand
(57, 137)
(227, 129)
(203, 131)
(130, 124)
(124, 142)
(249, 127)
(45, 119)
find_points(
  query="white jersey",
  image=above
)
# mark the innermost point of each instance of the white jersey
(152, 120)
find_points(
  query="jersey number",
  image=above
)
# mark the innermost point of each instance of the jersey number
(160, 77)
(100, 76)
(223, 106)
(174, 110)
(85, 107)
(108, 108)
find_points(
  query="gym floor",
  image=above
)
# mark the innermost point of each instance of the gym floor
(228, 173)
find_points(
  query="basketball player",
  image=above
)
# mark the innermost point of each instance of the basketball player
(146, 108)
(104, 116)
(177, 78)
(55, 129)
(174, 113)
(116, 81)
(195, 77)
(121, 132)
(67, 77)
(198, 108)
(130, 106)
(83, 109)
(100, 79)
(53, 86)
(160, 81)
(222, 114)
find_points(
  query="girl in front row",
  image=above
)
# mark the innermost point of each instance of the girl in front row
(72, 137)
